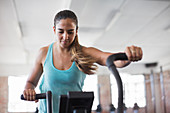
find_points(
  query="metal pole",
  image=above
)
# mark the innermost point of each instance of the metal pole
(153, 90)
(99, 93)
(146, 111)
(163, 89)
(49, 102)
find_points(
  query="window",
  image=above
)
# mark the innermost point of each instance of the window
(90, 84)
(134, 90)
(16, 86)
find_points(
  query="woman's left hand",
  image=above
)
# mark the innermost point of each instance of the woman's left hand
(134, 53)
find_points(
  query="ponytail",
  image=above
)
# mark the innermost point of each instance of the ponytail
(84, 62)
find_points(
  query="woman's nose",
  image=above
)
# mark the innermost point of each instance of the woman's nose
(65, 36)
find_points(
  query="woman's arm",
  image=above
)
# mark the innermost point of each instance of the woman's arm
(133, 53)
(32, 81)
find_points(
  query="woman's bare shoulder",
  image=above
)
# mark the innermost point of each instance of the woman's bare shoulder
(44, 49)
(42, 53)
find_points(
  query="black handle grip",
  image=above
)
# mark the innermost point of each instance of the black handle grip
(114, 57)
(37, 96)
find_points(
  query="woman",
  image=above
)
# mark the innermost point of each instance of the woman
(65, 63)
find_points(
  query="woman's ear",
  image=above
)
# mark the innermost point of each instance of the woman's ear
(76, 30)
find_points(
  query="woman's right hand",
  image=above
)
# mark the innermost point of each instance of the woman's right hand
(29, 95)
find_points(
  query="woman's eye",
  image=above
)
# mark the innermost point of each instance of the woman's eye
(70, 32)
(61, 32)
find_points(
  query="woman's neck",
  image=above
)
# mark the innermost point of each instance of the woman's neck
(60, 49)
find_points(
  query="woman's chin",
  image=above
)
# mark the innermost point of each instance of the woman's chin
(64, 45)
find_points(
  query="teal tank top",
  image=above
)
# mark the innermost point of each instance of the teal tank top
(59, 82)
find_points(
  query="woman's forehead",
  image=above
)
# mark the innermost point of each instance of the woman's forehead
(66, 23)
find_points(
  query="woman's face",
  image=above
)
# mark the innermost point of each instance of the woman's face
(65, 32)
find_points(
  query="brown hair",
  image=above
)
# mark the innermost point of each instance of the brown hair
(84, 62)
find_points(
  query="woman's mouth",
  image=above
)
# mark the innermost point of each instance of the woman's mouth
(64, 42)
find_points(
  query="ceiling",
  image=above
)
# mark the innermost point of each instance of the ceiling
(109, 25)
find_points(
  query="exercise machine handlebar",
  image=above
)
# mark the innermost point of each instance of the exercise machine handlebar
(110, 64)
(47, 96)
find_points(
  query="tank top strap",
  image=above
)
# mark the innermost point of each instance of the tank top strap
(49, 53)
